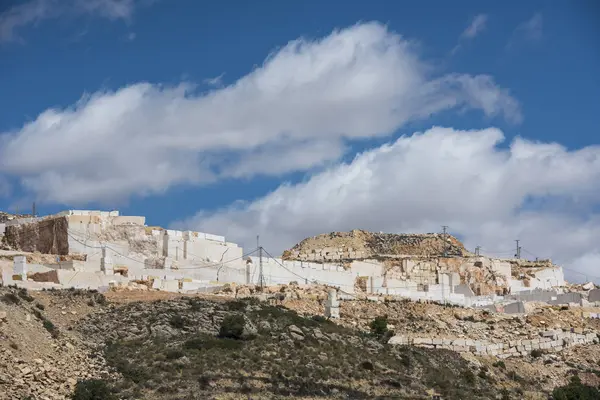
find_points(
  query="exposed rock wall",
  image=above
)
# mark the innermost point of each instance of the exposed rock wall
(48, 236)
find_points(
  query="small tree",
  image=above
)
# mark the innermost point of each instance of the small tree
(575, 390)
(379, 326)
(232, 327)
(92, 389)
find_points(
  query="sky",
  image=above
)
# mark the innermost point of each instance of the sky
(292, 119)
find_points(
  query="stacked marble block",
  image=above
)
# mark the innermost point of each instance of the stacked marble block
(550, 341)
(106, 263)
(20, 267)
(332, 306)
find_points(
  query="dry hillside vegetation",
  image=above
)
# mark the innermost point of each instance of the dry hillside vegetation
(77, 344)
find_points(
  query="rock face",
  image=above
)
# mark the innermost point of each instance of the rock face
(48, 237)
(358, 244)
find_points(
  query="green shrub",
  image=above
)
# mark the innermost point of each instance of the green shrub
(25, 295)
(368, 365)
(173, 354)
(515, 377)
(99, 298)
(50, 327)
(575, 390)
(92, 389)
(38, 314)
(379, 326)
(207, 343)
(536, 353)
(319, 318)
(11, 298)
(470, 377)
(177, 321)
(232, 327)
(236, 305)
(195, 305)
(500, 364)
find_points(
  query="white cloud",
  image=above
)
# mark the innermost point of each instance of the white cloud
(528, 31)
(532, 29)
(35, 11)
(112, 9)
(475, 28)
(356, 83)
(216, 81)
(441, 177)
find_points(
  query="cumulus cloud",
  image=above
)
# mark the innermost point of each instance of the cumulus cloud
(540, 193)
(306, 102)
(35, 11)
(475, 28)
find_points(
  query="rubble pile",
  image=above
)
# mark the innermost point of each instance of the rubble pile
(5, 217)
(293, 291)
(40, 258)
(431, 320)
(429, 245)
(40, 357)
(359, 244)
(131, 286)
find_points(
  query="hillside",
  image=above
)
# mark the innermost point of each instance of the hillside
(153, 345)
(177, 352)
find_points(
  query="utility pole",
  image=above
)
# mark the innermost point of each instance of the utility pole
(444, 227)
(33, 210)
(260, 262)
(477, 250)
(518, 255)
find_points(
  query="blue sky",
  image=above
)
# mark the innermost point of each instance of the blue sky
(203, 115)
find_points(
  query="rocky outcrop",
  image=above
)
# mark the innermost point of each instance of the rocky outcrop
(551, 341)
(358, 244)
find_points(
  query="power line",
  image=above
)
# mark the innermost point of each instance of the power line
(284, 267)
(261, 276)
(220, 263)
(143, 262)
(445, 227)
